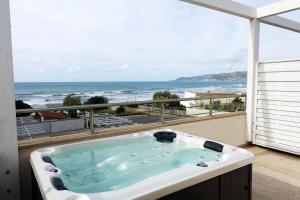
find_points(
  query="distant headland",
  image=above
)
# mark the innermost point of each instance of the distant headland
(233, 76)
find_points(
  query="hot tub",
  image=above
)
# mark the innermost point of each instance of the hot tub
(141, 166)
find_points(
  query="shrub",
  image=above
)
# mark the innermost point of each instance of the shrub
(237, 104)
(71, 100)
(163, 95)
(216, 105)
(227, 107)
(22, 105)
(120, 109)
(237, 100)
(98, 100)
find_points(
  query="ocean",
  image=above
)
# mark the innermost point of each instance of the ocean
(42, 94)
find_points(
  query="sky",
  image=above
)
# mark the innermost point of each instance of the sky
(135, 40)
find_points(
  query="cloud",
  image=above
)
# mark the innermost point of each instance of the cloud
(38, 60)
(140, 49)
(155, 68)
(230, 58)
(115, 40)
(43, 69)
(71, 70)
(60, 69)
(124, 67)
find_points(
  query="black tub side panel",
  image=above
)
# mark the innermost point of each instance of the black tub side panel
(236, 184)
(233, 185)
(208, 190)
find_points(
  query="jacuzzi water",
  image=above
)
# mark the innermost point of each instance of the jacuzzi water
(111, 165)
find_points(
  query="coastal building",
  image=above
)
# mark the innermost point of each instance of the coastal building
(200, 106)
(46, 123)
(222, 96)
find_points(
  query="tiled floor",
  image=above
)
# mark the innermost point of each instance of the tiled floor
(276, 175)
(229, 130)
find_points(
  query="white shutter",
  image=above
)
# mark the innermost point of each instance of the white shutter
(277, 106)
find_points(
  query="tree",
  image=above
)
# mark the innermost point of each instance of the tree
(97, 100)
(22, 105)
(120, 109)
(216, 105)
(227, 107)
(237, 104)
(71, 100)
(163, 95)
(237, 100)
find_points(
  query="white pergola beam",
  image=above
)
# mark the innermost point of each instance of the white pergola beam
(277, 8)
(241, 10)
(282, 22)
(226, 6)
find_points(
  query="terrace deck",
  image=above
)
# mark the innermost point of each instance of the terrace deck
(276, 175)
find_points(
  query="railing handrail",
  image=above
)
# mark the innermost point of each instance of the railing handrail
(95, 106)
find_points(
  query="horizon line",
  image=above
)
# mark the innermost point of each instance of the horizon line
(125, 81)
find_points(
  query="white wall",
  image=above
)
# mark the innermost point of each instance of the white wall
(9, 163)
(66, 125)
(189, 103)
(277, 115)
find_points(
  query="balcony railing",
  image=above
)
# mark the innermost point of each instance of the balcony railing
(101, 116)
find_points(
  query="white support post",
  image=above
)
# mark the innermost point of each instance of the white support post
(9, 163)
(253, 56)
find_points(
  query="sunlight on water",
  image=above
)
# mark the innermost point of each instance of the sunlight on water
(111, 165)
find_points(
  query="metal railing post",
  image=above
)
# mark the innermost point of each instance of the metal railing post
(92, 129)
(210, 107)
(86, 117)
(162, 111)
(50, 127)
